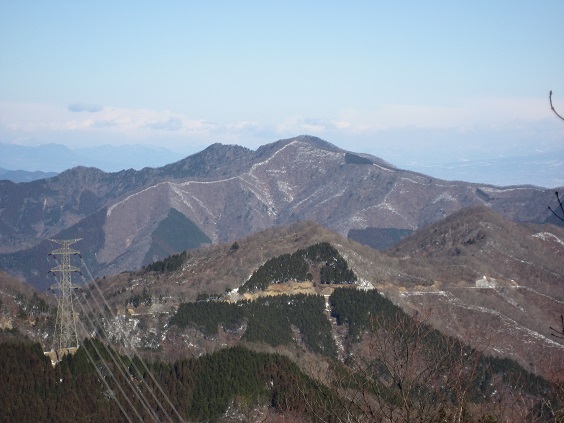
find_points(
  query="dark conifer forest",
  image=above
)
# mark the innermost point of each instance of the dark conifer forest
(201, 389)
(268, 320)
(287, 267)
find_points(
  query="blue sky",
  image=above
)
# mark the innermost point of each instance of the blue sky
(415, 83)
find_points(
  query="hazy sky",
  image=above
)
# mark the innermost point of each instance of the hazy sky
(406, 81)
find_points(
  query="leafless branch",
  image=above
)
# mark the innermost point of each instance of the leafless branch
(559, 332)
(561, 208)
(552, 107)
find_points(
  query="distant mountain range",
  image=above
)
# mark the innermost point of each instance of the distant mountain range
(24, 176)
(58, 158)
(131, 218)
(480, 263)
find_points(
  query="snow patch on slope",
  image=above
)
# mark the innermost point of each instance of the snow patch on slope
(455, 301)
(129, 197)
(545, 236)
(444, 196)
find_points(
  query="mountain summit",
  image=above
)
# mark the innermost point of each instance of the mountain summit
(226, 192)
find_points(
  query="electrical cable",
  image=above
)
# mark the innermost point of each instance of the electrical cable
(100, 308)
(93, 282)
(111, 373)
(143, 401)
(103, 379)
(122, 368)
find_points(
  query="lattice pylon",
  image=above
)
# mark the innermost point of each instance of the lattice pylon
(65, 336)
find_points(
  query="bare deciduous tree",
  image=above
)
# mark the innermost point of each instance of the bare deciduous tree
(403, 370)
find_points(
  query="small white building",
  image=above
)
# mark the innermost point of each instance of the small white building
(486, 282)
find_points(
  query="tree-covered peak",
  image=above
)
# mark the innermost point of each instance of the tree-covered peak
(299, 266)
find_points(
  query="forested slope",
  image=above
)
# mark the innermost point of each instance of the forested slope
(269, 320)
(397, 367)
(201, 389)
(333, 268)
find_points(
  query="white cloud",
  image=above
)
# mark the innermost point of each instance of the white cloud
(172, 124)
(137, 124)
(317, 126)
(471, 113)
(103, 123)
(84, 107)
(389, 128)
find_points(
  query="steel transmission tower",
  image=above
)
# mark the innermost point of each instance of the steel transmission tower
(65, 338)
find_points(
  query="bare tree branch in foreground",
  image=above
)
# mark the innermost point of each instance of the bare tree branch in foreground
(561, 206)
(552, 107)
(559, 332)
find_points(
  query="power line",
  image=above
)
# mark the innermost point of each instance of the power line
(121, 367)
(103, 379)
(124, 337)
(65, 339)
(65, 268)
(123, 374)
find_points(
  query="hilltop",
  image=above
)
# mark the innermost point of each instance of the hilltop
(475, 275)
(275, 292)
(130, 218)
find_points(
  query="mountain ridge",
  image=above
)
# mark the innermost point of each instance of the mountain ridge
(58, 158)
(502, 299)
(229, 192)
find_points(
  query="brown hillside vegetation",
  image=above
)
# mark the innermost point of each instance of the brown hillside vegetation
(496, 281)
(491, 282)
(475, 241)
(23, 311)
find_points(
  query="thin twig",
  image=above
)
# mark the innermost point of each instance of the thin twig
(552, 107)
(559, 334)
(561, 208)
